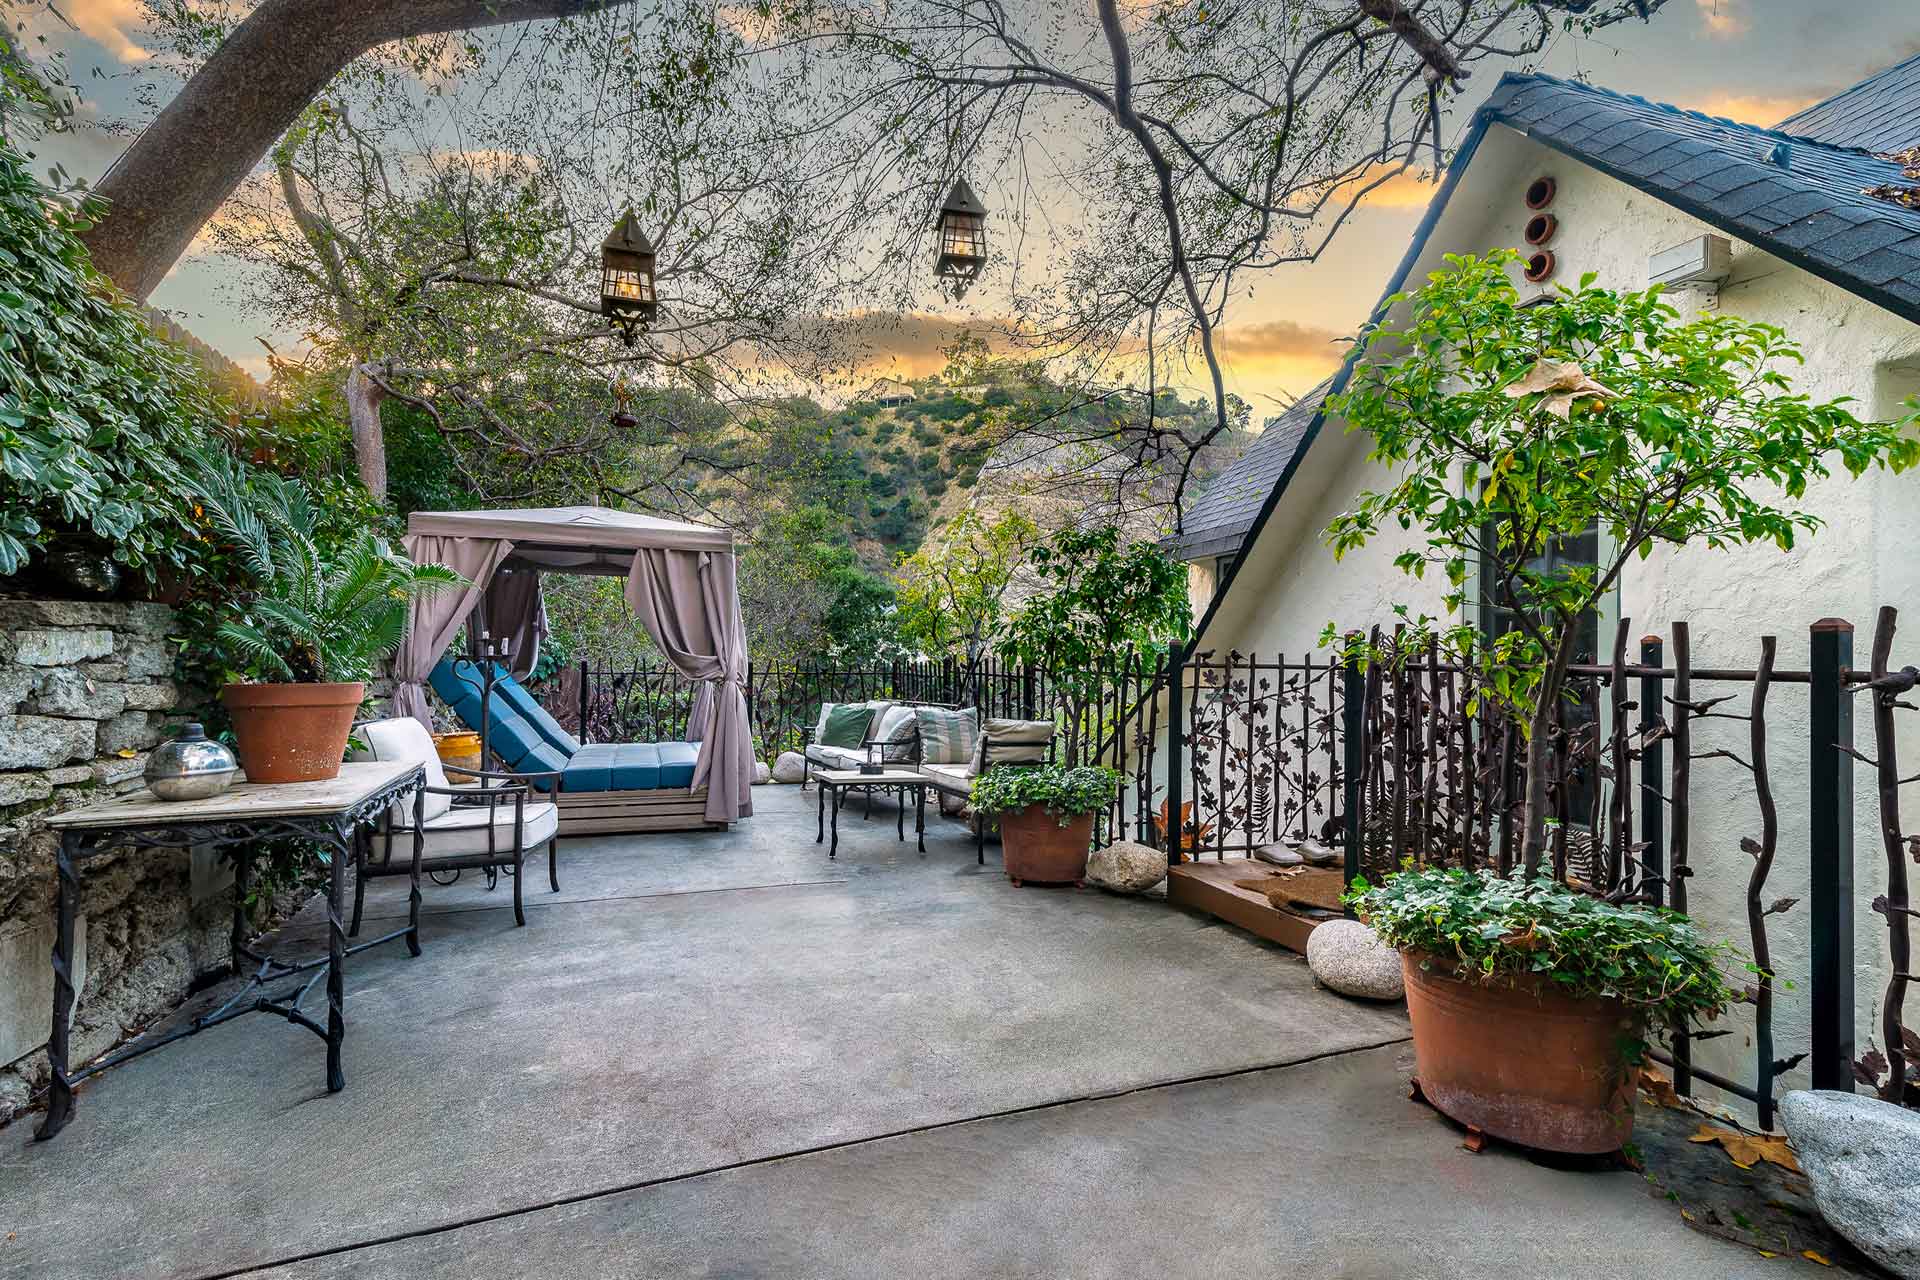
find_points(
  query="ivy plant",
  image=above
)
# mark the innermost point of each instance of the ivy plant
(1481, 926)
(1065, 792)
(1510, 429)
(94, 406)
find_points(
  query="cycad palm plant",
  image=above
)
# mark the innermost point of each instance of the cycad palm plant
(322, 614)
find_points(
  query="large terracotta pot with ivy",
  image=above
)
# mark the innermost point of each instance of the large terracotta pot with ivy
(1046, 815)
(1530, 1000)
(319, 613)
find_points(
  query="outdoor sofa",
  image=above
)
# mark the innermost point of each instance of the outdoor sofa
(918, 738)
(603, 787)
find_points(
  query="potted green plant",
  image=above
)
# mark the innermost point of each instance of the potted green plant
(1530, 1000)
(1046, 815)
(323, 612)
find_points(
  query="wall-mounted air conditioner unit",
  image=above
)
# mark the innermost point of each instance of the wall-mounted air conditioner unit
(1701, 261)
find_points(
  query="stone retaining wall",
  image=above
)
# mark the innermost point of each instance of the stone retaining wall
(86, 689)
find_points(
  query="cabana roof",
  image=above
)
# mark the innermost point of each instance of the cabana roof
(588, 540)
(578, 528)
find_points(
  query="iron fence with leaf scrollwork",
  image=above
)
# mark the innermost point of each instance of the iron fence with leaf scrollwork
(1727, 793)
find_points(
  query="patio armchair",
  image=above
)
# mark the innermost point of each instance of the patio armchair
(494, 823)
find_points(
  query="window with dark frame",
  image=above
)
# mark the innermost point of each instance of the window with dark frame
(1498, 616)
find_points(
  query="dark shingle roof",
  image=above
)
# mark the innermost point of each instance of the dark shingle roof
(1881, 113)
(1225, 510)
(1799, 200)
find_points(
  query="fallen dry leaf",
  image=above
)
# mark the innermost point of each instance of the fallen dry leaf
(1748, 1149)
(125, 754)
(1811, 1256)
(1561, 383)
(1660, 1089)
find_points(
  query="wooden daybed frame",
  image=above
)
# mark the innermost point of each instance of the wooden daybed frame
(589, 813)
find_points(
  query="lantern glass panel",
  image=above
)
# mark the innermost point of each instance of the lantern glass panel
(963, 238)
(627, 290)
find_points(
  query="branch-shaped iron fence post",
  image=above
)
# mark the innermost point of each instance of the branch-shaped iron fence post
(1174, 832)
(1353, 715)
(1896, 905)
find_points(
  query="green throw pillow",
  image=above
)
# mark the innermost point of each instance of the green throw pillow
(846, 726)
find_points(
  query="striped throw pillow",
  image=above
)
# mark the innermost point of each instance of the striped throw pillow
(947, 737)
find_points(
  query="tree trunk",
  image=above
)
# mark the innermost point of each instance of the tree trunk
(364, 397)
(178, 172)
(1540, 753)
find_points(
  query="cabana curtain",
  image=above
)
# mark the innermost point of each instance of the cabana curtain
(680, 582)
(513, 612)
(687, 602)
(433, 620)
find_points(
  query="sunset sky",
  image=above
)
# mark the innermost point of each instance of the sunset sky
(1752, 60)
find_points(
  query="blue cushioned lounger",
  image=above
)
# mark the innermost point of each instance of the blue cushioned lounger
(528, 740)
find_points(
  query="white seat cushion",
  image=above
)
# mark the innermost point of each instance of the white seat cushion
(836, 757)
(464, 830)
(405, 739)
(952, 777)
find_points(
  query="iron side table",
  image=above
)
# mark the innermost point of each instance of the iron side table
(834, 781)
(335, 814)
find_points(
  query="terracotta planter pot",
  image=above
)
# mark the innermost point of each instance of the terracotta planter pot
(291, 732)
(1036, 847)
(1522, 1062)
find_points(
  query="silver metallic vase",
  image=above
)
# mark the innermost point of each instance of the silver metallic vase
(190, 767)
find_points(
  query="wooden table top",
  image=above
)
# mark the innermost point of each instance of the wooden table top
(244, 800)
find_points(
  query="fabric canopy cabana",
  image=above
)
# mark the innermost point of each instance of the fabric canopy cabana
(680, 581)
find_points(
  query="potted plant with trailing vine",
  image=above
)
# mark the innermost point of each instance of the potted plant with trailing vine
(1046, 815)
(321, 613)
(1509, 431)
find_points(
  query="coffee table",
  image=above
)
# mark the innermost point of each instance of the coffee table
(834, 781)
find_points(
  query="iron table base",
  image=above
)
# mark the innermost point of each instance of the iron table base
(336, 833)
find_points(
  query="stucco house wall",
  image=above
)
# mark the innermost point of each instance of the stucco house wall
(1289, 585)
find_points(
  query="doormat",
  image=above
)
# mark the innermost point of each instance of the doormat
(1301, 889)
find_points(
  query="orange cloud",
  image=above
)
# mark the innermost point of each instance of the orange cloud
(908, 344)
(108, 24)
(1762, 109)
(1407, 190)
(1271, 361)
(1278, 340)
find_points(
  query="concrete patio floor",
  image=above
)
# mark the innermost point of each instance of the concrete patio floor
(724, 1055)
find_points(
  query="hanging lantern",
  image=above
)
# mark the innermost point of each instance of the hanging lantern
(626, 278)
(963, 238)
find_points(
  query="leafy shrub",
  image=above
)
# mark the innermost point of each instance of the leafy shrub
(320, 614)
(94, 406)
(1485, 926)
(1065, 793)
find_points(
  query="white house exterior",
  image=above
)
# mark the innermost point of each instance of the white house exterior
(1811, 252)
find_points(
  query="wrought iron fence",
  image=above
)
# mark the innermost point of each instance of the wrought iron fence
(1649, 755)
(651, 704)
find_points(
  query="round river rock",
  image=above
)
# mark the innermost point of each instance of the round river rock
(1346, 956)
(1859, 1154)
